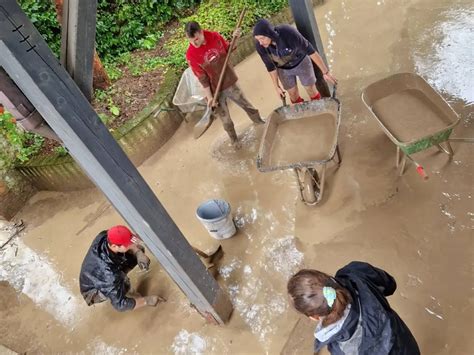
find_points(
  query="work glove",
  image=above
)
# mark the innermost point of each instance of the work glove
(142, 260)
(152, 301)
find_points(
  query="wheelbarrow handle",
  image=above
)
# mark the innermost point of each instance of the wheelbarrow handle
(419, 168)
(283, 99)
(334, 88)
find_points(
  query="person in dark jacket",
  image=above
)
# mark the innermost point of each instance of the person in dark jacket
(288, 55)
(112, 255)
(353, 312)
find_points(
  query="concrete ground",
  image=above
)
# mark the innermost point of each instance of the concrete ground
(419, 231)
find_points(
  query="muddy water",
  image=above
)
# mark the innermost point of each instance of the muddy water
(421, 232)
(305, 139)
(410, 115)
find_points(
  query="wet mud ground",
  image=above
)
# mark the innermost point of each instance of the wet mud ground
(419, 231)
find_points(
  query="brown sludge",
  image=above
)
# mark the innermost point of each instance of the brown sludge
(420, 232)
(303, 140)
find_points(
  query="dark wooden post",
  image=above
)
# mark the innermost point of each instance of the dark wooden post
(305, 21)
(78, 41)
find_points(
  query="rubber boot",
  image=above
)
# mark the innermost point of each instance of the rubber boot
(229, 128)
(298, 100)
(258, 120)
(316, 97)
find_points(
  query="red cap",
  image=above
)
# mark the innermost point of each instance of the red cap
(120, 235)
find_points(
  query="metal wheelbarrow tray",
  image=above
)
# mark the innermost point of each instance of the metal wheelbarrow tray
(412, 114)
(302, 137)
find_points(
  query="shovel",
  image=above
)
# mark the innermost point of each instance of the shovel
(206, 120)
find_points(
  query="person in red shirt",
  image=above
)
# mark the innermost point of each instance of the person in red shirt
(206, 56)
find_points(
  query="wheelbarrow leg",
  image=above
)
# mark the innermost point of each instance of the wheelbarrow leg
(321, 183)
(402, 164)
(448, 150)
(338, 153)
(398, 157)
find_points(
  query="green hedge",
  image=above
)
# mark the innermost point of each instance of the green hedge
(42, 14)
(220, 16)
(122, 25)
(125, 25)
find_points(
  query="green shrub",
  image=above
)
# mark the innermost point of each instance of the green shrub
(122, 25)
(125, 25)
(15, 144)
(42, 14)
(220, 16)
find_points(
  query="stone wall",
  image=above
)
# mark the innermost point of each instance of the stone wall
(15, 190)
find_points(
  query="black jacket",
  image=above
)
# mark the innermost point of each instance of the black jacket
(379, 331)
(105, 271)
(288, 49)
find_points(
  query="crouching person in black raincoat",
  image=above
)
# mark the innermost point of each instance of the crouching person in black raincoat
(353, 312)
(112, 255)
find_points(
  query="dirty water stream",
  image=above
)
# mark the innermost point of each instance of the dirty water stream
(419, 231)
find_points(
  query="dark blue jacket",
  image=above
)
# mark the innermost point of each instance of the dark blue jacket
(379, 331)
(105, 271)
(288, 46)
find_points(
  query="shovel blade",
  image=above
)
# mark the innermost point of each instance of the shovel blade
(203, 124)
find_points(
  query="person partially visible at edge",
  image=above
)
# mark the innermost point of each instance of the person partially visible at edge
(353, 314)
(206, 56)
(112, 255)
(288, 55)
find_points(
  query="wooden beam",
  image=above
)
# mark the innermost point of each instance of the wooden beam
(303, 14)
(78, 42)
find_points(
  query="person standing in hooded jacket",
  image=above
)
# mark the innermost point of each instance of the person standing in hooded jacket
(288, 55)
(352, 310)
(112, 255)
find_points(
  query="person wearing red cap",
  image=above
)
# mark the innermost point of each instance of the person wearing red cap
(112, 255)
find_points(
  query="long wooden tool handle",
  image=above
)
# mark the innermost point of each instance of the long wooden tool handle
(229, 51)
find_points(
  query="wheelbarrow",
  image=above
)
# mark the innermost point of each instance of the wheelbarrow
(413, 116)
(303, 137)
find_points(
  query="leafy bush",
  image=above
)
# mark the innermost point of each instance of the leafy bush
(122, 25)
(15, 144)
(42, 14)
(220, 16)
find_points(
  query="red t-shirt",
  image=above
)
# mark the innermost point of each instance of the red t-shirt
(207, 61)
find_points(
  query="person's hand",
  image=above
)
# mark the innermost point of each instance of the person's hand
(280, 92)
(329, 77)
(142, 260)
(152, 301)
(209, 102)
(237, 33)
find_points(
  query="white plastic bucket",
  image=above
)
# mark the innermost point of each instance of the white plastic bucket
(216, 217)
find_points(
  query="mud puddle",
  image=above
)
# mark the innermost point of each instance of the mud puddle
(421, 232)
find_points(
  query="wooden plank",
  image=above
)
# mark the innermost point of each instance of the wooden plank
(303, 14)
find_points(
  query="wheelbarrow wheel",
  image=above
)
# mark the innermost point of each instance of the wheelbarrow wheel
(310, 186)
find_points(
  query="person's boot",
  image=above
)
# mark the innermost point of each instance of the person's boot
(316, 97)
(297, 101)
(234, 140)
(152, 301)
(258, 120)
